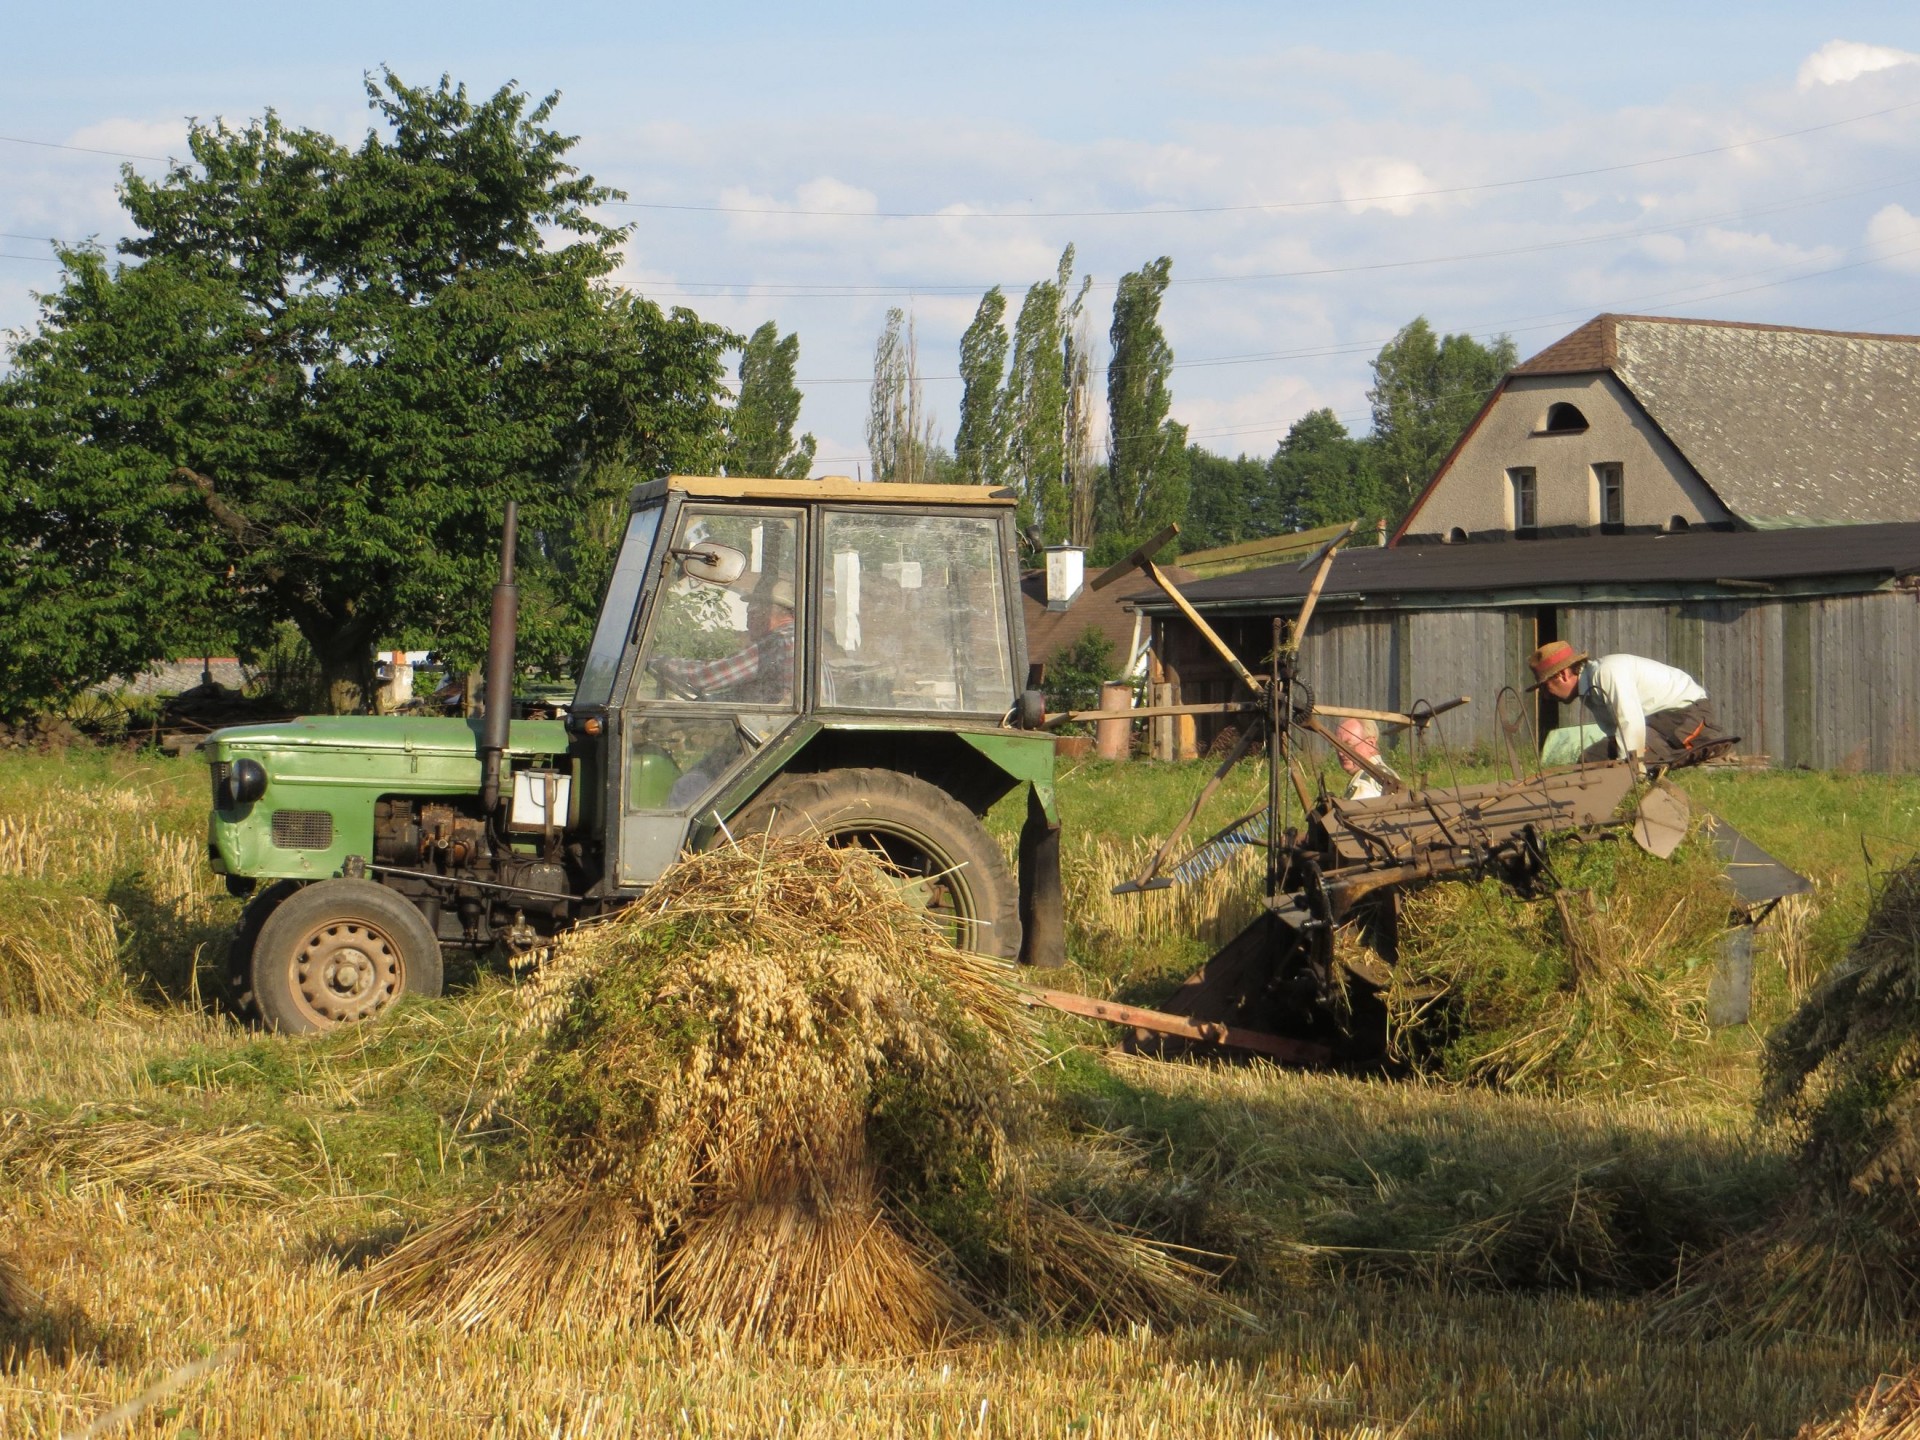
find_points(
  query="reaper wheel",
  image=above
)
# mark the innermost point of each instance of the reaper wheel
(945, 858)
(341, 952)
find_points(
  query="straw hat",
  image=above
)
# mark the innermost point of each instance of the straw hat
(1550, 659)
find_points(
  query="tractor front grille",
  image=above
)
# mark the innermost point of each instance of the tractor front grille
(302, 829)
(221, 769)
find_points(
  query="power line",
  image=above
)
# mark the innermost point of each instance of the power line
(1521, 324)
(841, 290)
(1436, 192)
(83, 149)
(1270, 205)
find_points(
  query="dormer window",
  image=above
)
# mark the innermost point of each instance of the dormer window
(1564, 419)
(1523, 497)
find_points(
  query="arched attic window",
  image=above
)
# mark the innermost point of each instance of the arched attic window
(1564, 419)
(1676, 524)
(1456, 536)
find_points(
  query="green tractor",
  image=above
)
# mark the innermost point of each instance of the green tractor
(772, 656)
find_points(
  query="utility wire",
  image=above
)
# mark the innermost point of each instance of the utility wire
(83, 149)
(1255, 206)
(1274, 205)
(721, 289)
(1520, 324)
(1546, 322)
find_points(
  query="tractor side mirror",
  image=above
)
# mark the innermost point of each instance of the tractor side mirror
(712, 563)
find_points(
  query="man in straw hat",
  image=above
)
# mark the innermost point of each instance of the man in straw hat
(1653, 714)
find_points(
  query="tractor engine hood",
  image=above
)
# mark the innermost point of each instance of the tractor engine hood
(313, 784)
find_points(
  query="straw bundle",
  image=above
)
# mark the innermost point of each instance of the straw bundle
(16, 1299)
(58, 957)
(1843, 1072)
(771, 1101)
(1602, 984)
(1889, 1409)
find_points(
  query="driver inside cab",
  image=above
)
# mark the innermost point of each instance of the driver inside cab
(762, 672)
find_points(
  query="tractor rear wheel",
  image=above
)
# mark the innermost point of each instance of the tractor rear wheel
(945, 854)
(338, 952)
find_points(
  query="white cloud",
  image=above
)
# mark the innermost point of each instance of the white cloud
(1839, 61)
(153, 139)
(1382, 183)
(1895, 235)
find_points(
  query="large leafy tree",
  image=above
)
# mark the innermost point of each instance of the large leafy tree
(1147, 477)
(1427, 388)
(1229, 501)
(760, 429)
(1324, 476)
(315, 383)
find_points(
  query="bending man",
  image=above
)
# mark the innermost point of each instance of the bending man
(1653, 714)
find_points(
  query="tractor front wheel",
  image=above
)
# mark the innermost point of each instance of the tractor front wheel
(338, 952)
(943, 854)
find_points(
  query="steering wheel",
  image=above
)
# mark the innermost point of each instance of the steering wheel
(673, 689)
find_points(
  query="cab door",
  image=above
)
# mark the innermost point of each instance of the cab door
(717, 677)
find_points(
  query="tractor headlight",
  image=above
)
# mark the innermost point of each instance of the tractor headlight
(246, 782)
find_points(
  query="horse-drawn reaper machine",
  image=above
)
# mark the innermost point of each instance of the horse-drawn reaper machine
(1287, 986)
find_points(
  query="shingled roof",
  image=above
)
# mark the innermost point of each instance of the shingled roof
(1788, 426)
(1740, 564)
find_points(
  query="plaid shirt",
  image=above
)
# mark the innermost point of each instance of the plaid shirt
(768, 662)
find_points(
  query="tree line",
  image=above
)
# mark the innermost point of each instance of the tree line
(1026, 422)
(304, 394)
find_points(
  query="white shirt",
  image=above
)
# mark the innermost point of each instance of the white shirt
(1363, 786)
(1622, 690)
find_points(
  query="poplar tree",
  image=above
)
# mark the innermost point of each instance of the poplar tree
(1146, 480)
(980, 444)
(900, 437)
(1083, 469)
(760, 427)
(1037, 402)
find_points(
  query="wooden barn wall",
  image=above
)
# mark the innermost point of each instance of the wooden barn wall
(1864, 700)
(1828, 682)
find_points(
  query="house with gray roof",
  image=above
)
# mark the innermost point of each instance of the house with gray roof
(1741, 501)
(1639, 423)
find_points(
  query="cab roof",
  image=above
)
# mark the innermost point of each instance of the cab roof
(825, 487)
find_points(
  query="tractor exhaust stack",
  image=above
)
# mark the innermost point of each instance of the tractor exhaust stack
(500, 644)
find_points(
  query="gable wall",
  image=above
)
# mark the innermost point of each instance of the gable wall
(1473, 493)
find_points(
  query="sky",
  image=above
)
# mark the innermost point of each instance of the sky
(1320, 175)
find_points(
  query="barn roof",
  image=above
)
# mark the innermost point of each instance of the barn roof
(1788, 426)
(1751, 560)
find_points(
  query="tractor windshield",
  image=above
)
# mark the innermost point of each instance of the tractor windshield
(616, 615)
(915, 615)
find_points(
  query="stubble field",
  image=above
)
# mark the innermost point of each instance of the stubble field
(189, 1201)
